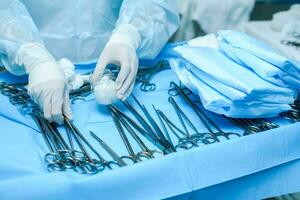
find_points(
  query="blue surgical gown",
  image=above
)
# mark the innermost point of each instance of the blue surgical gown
(79, 29)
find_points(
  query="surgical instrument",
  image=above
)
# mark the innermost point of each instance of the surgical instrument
(109, 150)
(141, 130)
(146, 152)
(174, 92)
(182, 142)
(202, 116)
(132, 156)
(152, 122)
(81, 93)
(144, 76)
(251, 126)
(199, 137)
(292, 116)
(148, 128)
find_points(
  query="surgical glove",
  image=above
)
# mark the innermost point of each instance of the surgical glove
(120, 50)
(47, 85)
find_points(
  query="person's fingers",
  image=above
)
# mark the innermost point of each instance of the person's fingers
(67, 106)
(57, 101)
(45, 103)
(129, 82)
(127, 94)
(101, 64)
(124, 71)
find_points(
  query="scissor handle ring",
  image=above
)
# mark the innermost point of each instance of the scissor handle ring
(113, 163)
(144, 154)
(52, 167)
(147, 87)
(181, 146)
(78, 155)
(52, 158)
(133, 160)
(100, 165)
(73, 100)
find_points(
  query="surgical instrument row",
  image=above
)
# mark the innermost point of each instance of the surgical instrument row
(293, 116)
(214, 130)
(251, 126)
(122, 124)
(62, 154)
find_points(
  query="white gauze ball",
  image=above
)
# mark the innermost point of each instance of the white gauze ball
(105, 91)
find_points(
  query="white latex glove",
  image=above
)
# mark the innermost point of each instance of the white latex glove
(47, 84)
(120, 50)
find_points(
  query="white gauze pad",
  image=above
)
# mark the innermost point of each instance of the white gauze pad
(105, 90)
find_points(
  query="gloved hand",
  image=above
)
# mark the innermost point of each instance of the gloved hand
(47, 84)
(121, 50)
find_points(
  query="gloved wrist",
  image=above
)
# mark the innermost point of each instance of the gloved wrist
(45, 72)
(125, 33)
(31, 55)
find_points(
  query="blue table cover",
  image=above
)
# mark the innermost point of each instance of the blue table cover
(251, 167)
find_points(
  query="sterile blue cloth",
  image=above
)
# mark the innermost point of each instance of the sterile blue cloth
(217, 66)
(261, 50)
(217, 171)
(264, 68)
(217, 102)
(232, 80)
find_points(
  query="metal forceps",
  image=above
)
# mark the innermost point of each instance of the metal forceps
(109, 150)
(182, 142)
(53, 159)
(144, 77)
(247, 126)
(296, 105)
(146, 152)
(132, 156)
(57, 158)
(141, 131)
(81, 93)
(90, 165)
(156, 128)
(292, 116)
(204, 138)
(174, 91)
(251, 126)
(203, 117)
(148, 131)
